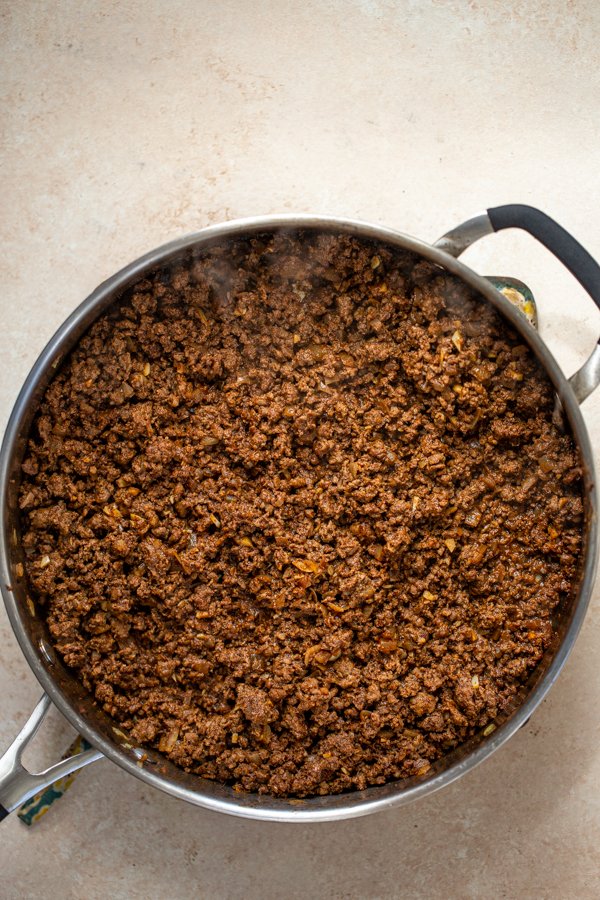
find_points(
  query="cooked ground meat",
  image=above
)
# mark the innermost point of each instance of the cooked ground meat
(297, 515)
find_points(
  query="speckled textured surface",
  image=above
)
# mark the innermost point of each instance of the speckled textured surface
(125, 125)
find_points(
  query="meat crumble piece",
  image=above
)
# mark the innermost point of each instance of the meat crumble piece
(297, 516)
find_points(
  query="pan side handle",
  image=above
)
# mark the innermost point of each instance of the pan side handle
(560, 243)
(17, 785)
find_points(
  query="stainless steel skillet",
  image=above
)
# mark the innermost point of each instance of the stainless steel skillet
(17, 785)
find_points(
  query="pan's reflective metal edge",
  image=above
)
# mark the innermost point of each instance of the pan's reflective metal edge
(224, 799)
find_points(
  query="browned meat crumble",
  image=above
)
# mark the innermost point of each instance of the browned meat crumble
(297, 515)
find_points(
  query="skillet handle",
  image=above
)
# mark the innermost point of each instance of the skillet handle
(554, 237)
(17, 784)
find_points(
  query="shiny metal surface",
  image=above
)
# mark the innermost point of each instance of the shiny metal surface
(456, 241)
(17, 784)
(587, 378)
(151, 767)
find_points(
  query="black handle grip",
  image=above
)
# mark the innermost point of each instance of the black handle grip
(553, 236)
(3, 812)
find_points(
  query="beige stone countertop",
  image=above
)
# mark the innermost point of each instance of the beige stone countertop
(128, 124)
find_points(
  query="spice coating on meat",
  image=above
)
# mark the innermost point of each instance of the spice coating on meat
(297, 516)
